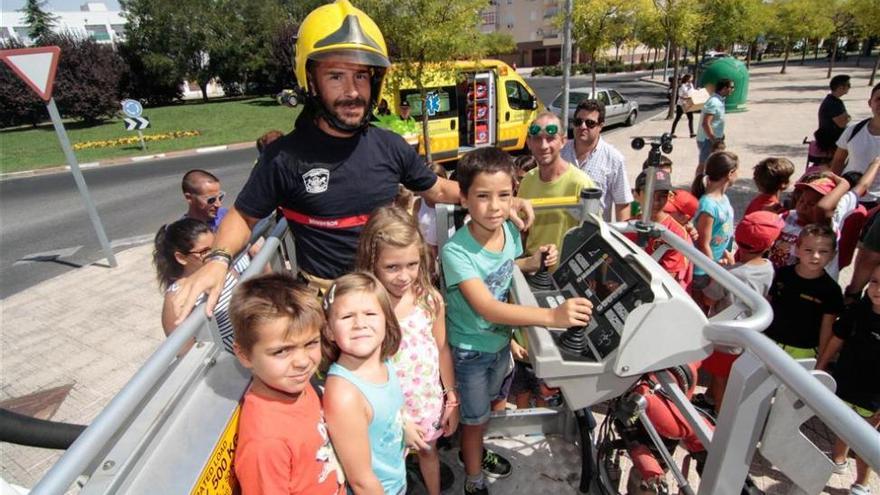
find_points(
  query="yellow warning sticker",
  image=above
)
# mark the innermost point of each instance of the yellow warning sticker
(217, 477)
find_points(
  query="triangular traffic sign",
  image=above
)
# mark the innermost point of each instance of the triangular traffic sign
(35, 66)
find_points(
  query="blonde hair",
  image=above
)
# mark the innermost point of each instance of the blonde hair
(390, 226)
(366, 283)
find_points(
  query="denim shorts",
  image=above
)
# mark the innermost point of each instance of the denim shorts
(479, 376)
(705, 149)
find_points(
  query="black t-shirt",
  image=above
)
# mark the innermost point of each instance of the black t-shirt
(828, 132)
(315, 174)
(857, 371)
(798, 306)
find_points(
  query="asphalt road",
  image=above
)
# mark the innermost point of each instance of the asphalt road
(45, 231)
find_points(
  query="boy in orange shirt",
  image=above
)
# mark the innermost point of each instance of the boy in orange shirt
(283, 446)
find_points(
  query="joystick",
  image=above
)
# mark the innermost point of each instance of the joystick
(574, 340)
(542, 279)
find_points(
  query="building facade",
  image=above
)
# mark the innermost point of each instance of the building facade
(93, 19)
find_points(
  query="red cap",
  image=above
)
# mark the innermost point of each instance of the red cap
(822, 185)
(758, 230)
(683, 202)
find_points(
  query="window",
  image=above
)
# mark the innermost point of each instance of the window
(447, 98)
(616, 99)
(518, 97)
(603, 97)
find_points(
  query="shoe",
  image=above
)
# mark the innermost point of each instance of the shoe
(839, 468)
(857, 489)
(693, 135)
(472, 489)
(494, 466)
(673, 136)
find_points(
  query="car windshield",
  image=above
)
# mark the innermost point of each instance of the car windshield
(573, 99)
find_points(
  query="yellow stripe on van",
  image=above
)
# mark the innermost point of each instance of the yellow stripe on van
(217, 477)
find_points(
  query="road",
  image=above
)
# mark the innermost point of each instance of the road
(45, 231)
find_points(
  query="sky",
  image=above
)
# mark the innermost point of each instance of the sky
(57, 5)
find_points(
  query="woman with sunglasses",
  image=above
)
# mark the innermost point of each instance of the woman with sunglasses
(179, 249)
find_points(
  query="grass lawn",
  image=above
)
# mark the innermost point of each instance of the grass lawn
(221, 121)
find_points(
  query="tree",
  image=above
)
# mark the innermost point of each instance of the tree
(427, 33)
(679, 20)
(19, 105)
(842, 21)
(39, 21)
(796, 19)
(866, 13)
(593, 24)
(497, 43)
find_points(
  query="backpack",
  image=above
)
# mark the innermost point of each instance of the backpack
(858, 127)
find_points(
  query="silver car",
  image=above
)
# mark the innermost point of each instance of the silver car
(617, 108)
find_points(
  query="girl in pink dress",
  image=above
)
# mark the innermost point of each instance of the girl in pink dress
(392, 248)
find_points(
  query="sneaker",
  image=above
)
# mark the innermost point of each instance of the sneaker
(839, 468)
(858, 489)
(473, 489)
(494, 465)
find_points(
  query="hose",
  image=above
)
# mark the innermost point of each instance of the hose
(25, 430)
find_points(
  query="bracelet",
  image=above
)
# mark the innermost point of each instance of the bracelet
(219, 255)
(451, 404)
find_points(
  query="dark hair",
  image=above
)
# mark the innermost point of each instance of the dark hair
(267, 138)
(191, 179)
(875, 89)
(487, 160)
(177, 237)
(818, 230)
(271, 297)
(665, 162)
(838, 81)
(852, 177)
(718, 165)
(772, 173)
(685, 78)
(722, 84)
(591, 105)
(360, 282)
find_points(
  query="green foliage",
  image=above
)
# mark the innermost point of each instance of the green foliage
(39, 22)
(498, 43)
(866, 14)
(797, 19)
(734, 21)
(19, 104)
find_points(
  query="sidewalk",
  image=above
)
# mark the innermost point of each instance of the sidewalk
(93, 327)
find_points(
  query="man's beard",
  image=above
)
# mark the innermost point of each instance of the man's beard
(338, 105)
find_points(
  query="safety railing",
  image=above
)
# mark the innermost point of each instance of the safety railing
(85, 452)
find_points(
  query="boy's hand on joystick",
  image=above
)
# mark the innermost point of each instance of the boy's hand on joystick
(546, 255)
(575, 312)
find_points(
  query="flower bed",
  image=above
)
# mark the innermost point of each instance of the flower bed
(110, 143)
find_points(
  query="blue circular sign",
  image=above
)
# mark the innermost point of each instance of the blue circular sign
(132, 108)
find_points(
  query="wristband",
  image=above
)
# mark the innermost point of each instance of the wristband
(219, 255)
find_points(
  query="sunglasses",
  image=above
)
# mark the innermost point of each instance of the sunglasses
(201, 253)
(217, 197)
(550, 130)
(591, 124)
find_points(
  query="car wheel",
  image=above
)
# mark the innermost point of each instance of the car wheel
(631, 119)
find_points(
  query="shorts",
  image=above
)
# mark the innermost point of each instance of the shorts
(524, 380)
(479, 376)
(705, 148)
(871, 233)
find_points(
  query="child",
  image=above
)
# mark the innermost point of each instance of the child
(427, 217)
(392, 248)
(715, 214)
(683, 206)
(635, 208)
(805, 299)
(857, 338)
(754, 235)
(827, 199)
(179, 249)
(363, 401)
(283, 445)
(478, 267)
(671, 260)
(771, 177)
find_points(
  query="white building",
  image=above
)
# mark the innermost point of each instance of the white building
(93, 19)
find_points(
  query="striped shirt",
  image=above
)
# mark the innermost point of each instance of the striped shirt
(606, 166)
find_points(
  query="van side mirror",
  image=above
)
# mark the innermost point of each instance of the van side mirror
(533, 103)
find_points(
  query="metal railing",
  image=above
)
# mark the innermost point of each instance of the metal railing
(82, 455)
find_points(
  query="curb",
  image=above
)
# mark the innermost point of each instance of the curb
(127, 160)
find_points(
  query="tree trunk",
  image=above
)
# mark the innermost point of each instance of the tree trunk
(616, 52)
(675, 78)
(804, 52)
(785, 58)
(816, 53)
(654, 64)
(833, 56)
(874, 71)
(749, 55)
(593, 69)
(696, 70)
(859, 55)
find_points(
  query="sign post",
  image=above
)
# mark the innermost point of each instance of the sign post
(133, 109)
(36, 67)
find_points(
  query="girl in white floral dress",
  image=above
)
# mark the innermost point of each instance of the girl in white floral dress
(392, 248)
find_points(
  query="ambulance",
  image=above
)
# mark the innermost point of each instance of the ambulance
(473, 105)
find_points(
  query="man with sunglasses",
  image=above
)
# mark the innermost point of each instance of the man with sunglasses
(602, 162)
(552, 178)
(201, 190)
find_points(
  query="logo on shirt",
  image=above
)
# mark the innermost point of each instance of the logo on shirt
(499, 281)
(316, 180)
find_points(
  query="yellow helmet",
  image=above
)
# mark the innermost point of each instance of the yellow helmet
(338, 29)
